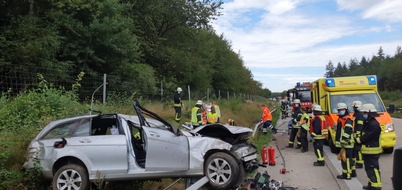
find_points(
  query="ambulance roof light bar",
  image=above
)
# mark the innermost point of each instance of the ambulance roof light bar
(330, 82)
(372, 80)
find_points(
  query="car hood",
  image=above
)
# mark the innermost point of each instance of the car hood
(227, 133)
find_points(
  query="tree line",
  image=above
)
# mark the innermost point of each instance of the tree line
(387, 68)
(140, 42)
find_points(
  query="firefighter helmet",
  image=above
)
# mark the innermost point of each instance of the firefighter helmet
(296, 101)
(317, 107)
(368, 108)
(179, 89)
(199, 102)
(356, 104)
(341, 105)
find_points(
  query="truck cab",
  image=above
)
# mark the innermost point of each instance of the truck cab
(302, 92)
(327, 92)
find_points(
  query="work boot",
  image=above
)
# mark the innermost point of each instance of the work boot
(343, 177)
(319, 163)
(298, 147)
(367, 186)
(289, 146)
(354, 174)
(304, 150)
(358, 165)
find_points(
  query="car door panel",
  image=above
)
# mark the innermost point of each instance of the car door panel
(165, 150)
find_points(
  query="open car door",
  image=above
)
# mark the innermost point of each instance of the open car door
(165, 150)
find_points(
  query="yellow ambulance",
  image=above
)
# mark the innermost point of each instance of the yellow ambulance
(327, 92)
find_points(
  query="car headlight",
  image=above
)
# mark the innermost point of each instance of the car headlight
(244, 151)
(33, 153)
(389, 127)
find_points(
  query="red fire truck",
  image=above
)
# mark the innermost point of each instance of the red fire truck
(302, 92)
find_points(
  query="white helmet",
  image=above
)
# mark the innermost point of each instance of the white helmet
(367, 108)
(341, 106)
(317, 107)
(296, 101)
(199, 102)
(356, 104)
(179, 89)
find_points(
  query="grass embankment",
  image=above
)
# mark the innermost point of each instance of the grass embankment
(22, 117)
(393, 98)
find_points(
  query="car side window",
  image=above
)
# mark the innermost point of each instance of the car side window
(82, 129)
(62, 130)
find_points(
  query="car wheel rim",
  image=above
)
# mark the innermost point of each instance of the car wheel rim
(69, 180)
(219, 171)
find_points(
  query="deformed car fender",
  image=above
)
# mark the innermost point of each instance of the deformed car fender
(199, 146)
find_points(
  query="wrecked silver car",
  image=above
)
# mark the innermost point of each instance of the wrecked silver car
(74, 151)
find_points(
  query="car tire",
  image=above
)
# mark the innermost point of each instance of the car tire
(222, 171)
(71, 176)
(388, 150)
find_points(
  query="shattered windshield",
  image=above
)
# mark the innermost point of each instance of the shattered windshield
(371, 98)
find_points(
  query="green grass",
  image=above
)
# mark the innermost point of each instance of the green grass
(22, 117)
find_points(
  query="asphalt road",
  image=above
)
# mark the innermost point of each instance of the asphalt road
(302, 175)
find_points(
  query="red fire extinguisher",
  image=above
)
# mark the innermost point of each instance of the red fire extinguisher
(271, 156)
(264, 154)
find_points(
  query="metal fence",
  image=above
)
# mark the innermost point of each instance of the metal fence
(14, 80)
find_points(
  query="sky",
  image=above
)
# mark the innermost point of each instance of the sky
(283, 42)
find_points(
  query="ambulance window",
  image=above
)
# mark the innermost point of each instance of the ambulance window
(371, 98)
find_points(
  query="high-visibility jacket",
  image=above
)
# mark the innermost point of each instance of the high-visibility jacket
(306, 119)
(266, 114)
(344, 132)
(318, 129)
(212, 117)
(196, 118)
(370, 138)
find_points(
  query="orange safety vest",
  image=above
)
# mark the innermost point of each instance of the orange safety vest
(344, 119)
(204, 117)
(266, 114)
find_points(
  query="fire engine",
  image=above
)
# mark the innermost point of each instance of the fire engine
(302, 92)
(327, 92)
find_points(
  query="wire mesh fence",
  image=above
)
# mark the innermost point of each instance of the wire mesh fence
(16, 80)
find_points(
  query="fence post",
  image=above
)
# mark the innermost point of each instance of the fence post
(189, 97)
(207, 94)
(227, 94)
(104, 89)
(219, 94)
(161, 90)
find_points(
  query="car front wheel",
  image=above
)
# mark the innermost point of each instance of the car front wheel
(222, 171)
(71, 176)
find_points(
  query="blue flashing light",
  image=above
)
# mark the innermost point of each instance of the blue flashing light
(298, 84)
(330, 82)
(372, 80)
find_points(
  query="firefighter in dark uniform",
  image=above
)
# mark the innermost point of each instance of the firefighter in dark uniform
(177, 104)
(344, 140)
(358, 125)
(305, 127)
(317, 133)
(296, 116)
(371, 146)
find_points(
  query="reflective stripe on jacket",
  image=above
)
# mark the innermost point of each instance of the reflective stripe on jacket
(305, 121)
(196, 116)
(345, 138)
(370, 137)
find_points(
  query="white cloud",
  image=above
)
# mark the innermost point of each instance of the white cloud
(277, 34)
(386, 10)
